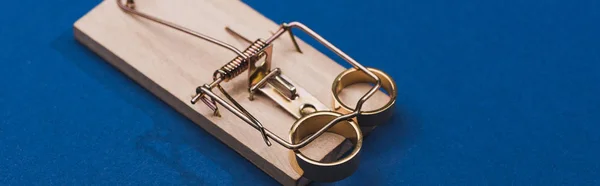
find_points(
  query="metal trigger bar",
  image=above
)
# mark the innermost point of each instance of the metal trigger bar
(240, 64)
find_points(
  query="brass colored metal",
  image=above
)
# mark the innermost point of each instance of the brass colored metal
(326, 171)
(285, 87)
(368, 118)
(292, 106)
(314, 118)
(279, 83)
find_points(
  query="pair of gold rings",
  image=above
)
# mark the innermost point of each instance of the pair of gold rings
(351, 129)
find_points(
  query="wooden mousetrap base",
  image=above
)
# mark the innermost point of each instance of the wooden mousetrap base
(171, 64)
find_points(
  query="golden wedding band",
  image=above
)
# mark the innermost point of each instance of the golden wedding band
(326, 171)
(366, 118)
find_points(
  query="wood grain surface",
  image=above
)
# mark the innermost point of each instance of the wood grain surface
(171, 64)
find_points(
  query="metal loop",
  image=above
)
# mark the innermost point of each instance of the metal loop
(369, 118)
(288, 26)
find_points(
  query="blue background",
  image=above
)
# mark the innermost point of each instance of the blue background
(491, 92)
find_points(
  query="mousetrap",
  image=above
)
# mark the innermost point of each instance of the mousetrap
(246, 80)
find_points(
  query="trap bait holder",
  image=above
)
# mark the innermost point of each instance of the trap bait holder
(313, 117)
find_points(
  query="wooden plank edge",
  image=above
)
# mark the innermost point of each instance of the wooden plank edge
(196, 117)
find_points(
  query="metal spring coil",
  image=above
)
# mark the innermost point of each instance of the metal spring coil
(240, 63)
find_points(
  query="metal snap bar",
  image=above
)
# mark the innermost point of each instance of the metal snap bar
(366, 118)
(326, 171)
(314, 118)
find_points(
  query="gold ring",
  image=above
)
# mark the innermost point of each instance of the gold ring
(371, 118)
(326, 171)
